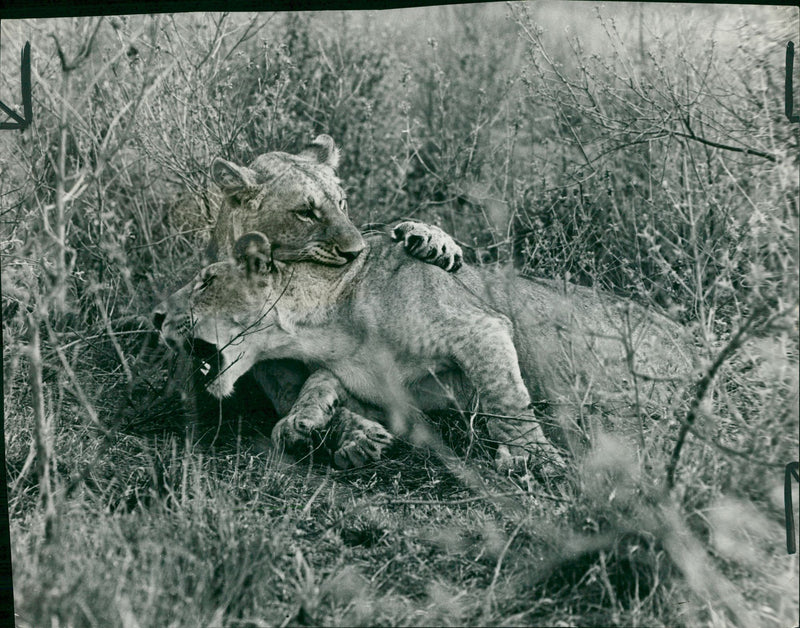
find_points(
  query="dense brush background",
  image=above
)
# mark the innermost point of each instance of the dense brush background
(640, 149)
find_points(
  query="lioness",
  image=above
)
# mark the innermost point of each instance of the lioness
(298, 200)
(389, 330)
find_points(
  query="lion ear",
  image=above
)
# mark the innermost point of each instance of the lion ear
(231, 177)
(253, 252)
(324, 150)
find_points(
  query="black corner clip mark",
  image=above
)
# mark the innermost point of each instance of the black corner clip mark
(792, 471)
(787, 90)
(21, 122)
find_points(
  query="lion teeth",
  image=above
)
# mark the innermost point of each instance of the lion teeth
(205, 367)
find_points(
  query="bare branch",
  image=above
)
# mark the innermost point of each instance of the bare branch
(759, 316)
(735, 149)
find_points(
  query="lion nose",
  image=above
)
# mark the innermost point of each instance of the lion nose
(158, 319)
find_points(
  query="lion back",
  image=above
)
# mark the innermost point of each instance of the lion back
(583, 351)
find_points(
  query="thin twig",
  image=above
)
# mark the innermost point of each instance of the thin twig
(466, 500)
(41, 428)
(113, 338)
(703, 386)
(83, 53)
(499, 565)
(747, 151)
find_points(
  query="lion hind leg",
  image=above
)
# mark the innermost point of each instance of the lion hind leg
(484, 348)
(523, 446)
(493, 368)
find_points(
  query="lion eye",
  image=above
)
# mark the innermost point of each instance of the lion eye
(309, 212)
(343, 205)
(206, 279)
(306, 215)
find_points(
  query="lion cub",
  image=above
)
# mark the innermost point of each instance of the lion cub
(386, 328)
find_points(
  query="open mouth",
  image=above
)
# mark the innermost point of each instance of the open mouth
(207, 359)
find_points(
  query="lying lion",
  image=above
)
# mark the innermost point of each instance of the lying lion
(299, 201)
(405, 336)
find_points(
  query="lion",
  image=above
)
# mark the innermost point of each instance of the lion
(406, 337)
(298, 200)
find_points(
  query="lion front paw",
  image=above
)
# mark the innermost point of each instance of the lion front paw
(430, 244)
(293, 433)
(360, 441)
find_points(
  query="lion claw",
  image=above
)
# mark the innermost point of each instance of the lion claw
(429, 243)
(360, 441)
(293, 433)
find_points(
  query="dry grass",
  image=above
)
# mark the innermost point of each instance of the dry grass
(586, 165)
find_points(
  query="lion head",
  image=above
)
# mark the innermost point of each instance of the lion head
(218, 315)
(296, 199)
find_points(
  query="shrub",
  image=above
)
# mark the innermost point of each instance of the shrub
(639, 156)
